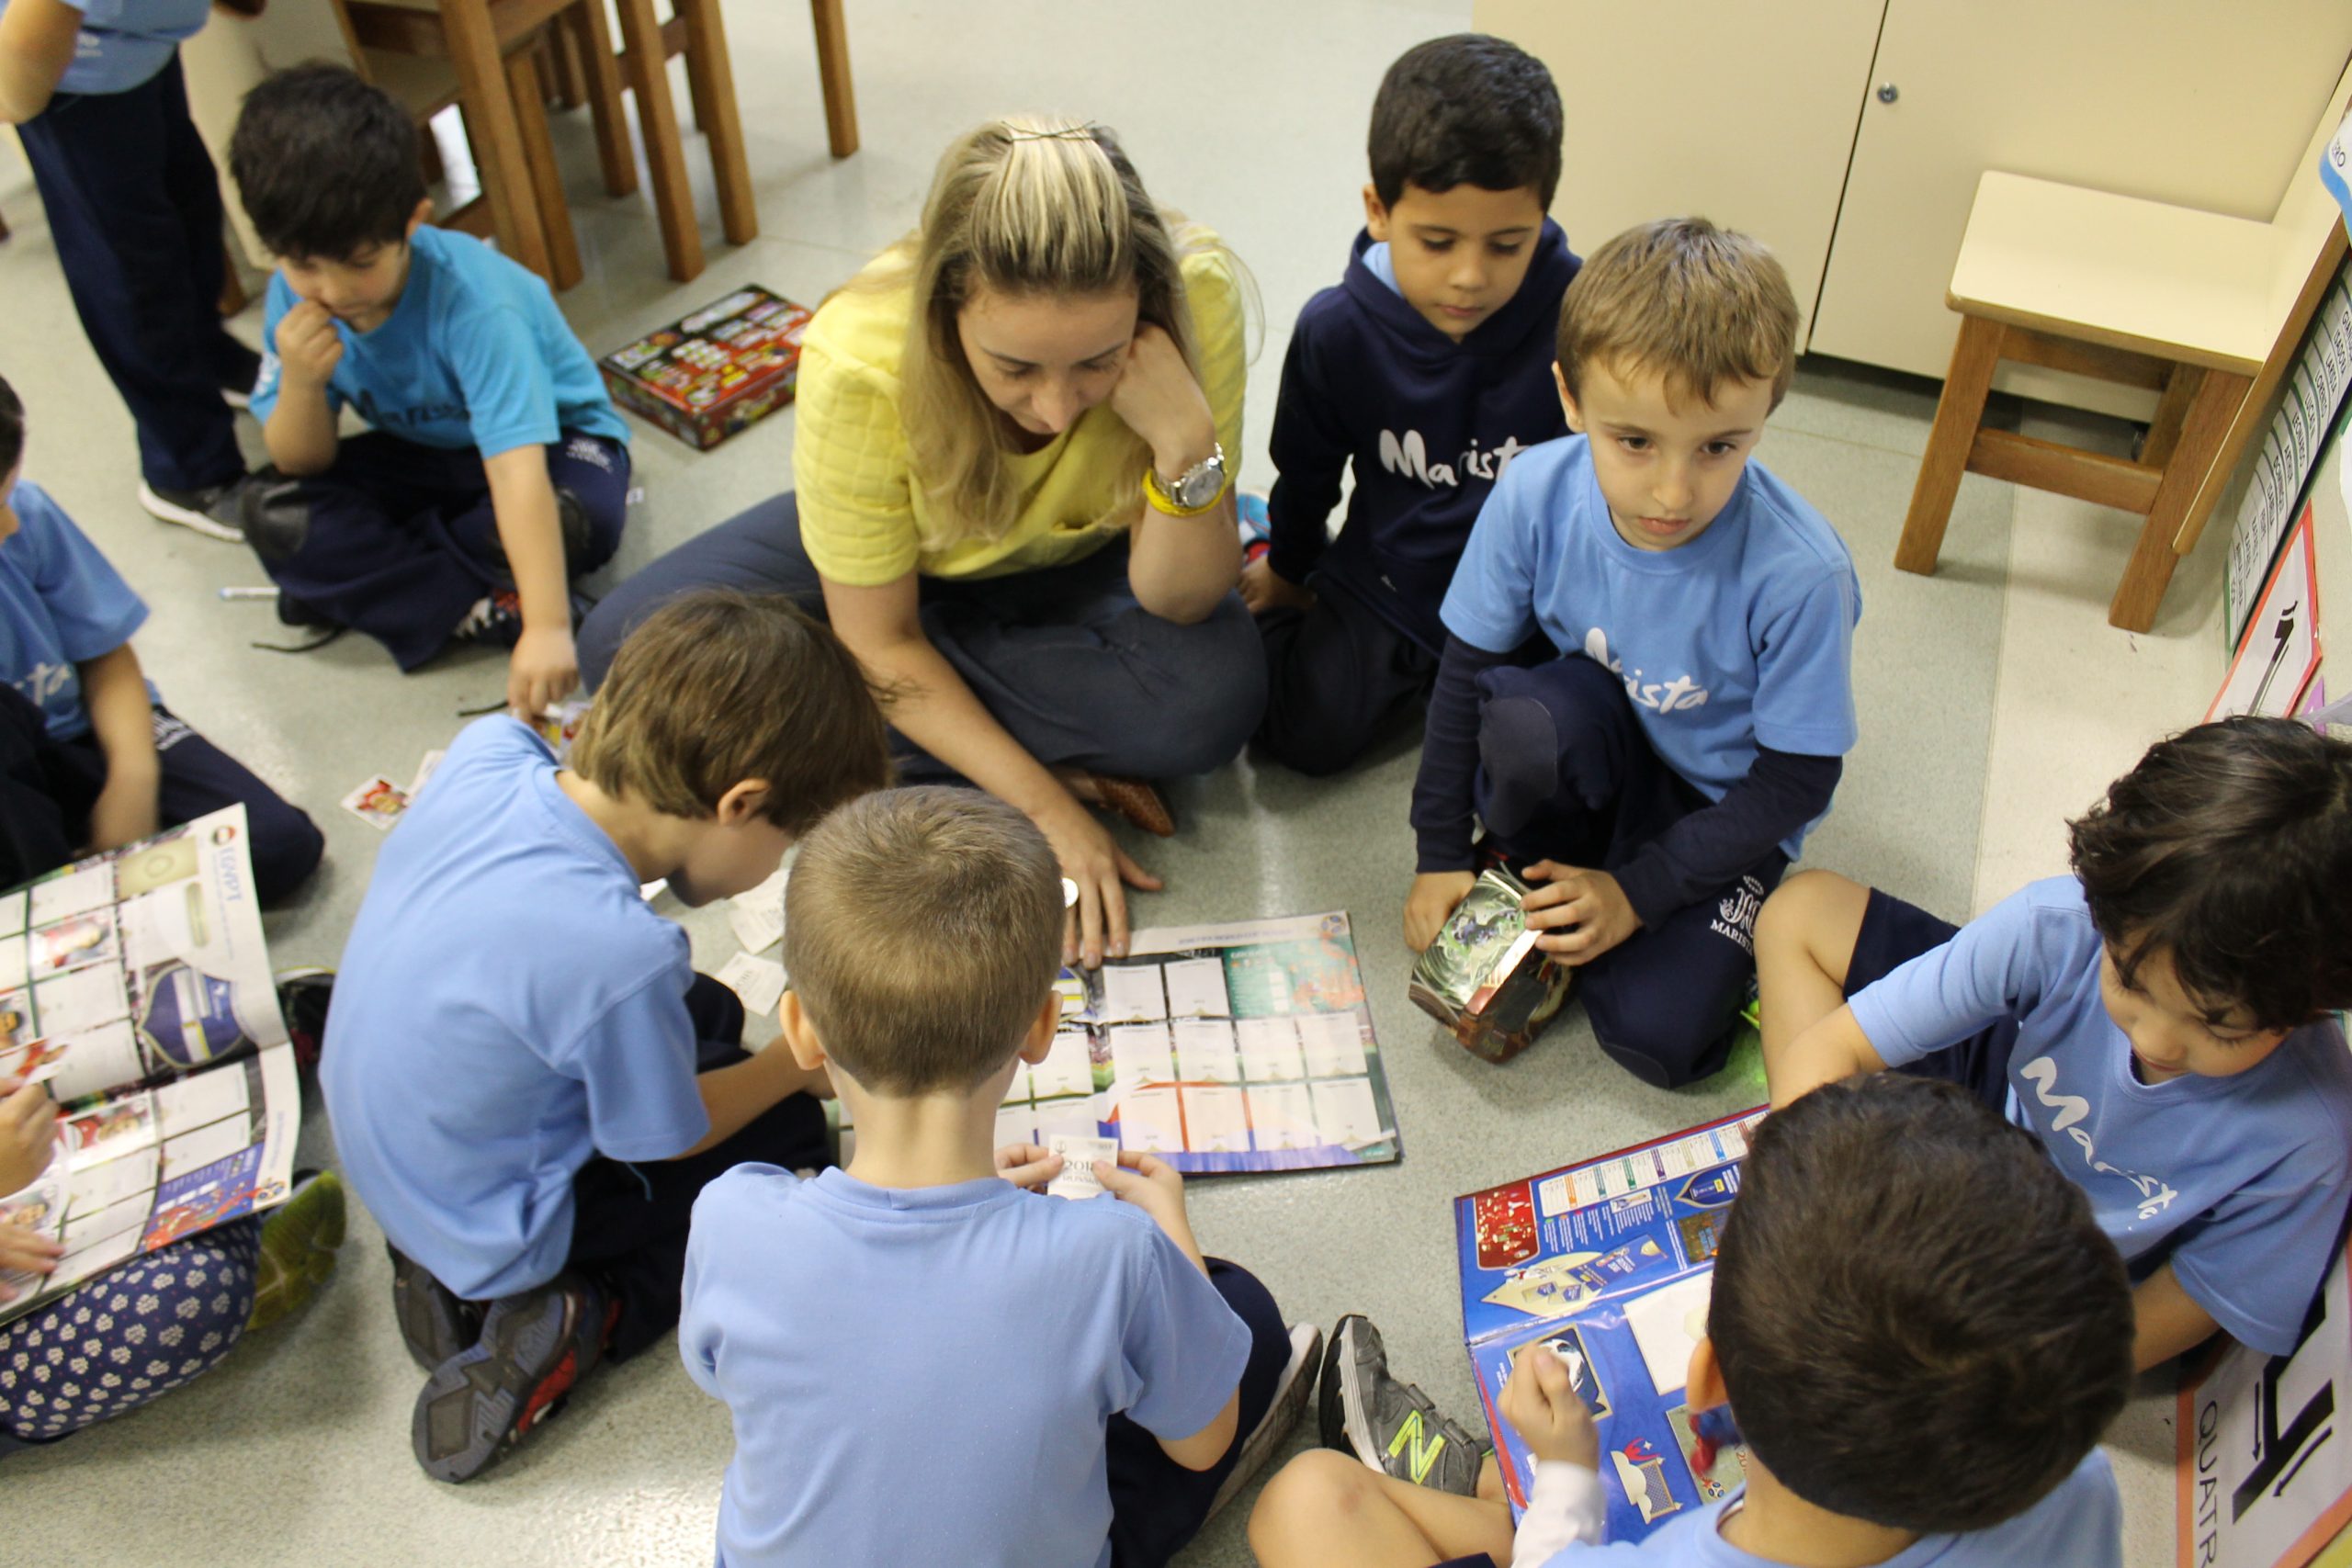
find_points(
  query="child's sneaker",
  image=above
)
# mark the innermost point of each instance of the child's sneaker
(1256, 527)
(304, 996)
(534, 1348)
(495, 619)
(1392, 1426)
(1290, 1402)
(216, 510)
(435, 1323)
(298, 1247)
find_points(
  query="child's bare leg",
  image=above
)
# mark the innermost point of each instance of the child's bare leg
(1490, 1483)
(1804, 940)
(1325, 1509)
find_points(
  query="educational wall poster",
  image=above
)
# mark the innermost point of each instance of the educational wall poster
(1608, 1263)
(2275, 664)
(136, 985)
(1222, 1049)
(2312, 393)
(2265, 1478)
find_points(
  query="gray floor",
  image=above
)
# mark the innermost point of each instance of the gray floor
(296, 1450)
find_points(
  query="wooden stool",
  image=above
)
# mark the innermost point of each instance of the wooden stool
(2205, 309)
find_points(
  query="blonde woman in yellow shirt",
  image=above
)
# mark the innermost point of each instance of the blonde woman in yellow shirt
(1013, 498)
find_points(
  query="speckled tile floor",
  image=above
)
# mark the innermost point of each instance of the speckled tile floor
(1994, 699)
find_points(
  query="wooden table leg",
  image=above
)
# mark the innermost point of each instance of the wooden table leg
(546, 179)
(1958, 413)
(2163, 538)
(498, 146)
(592, 37)
(712, 80)
(832, 72)
(657, 119)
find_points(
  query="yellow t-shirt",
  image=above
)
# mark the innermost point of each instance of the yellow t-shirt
(862, 514)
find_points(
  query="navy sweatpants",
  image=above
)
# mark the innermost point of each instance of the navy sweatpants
(1157, 1505)
(1063, 657)
(197, 777)
(1337, 678)
(1566, 773)
(134, 206)
(629, 1222)
(399, 539)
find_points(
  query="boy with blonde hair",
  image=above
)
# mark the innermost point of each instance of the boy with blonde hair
(1066, 1382)
(1662, 772)
(530, 1082)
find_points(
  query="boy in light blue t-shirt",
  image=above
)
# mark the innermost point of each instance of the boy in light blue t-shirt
(530, 1085)
(1662, 773)
(2160, 1019)
(496, 471)
(1903, 1403)
(927, 1359)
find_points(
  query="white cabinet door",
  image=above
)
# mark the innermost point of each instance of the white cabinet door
(2182, 101)
(1736, 111)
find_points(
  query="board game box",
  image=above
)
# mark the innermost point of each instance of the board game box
(724, 367)
(1482, 976)
(1608, 1262)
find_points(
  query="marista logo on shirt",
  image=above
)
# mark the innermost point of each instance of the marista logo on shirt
(44, 680)
(1409, 454)
(1661, 697)
(2156, 1194)
(424, 413)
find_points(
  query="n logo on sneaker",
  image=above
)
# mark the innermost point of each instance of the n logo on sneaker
(1424, 1446)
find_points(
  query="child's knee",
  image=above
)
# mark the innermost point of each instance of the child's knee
(286, 848)
(1309, 1496)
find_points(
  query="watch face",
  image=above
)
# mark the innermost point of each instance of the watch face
(1201, 483)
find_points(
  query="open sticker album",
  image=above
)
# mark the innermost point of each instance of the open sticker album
(1230, 1048)
(136, 985)
(1607, 1262)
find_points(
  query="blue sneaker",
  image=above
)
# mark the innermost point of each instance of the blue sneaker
(1256, 530)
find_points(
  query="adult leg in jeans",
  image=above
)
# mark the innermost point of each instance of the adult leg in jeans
(757, 551)
(629, 1222)
(1156, 1504)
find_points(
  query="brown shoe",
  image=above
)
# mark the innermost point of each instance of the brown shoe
(1133, 800)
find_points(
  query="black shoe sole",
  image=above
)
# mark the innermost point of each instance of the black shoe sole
(472, 1405)
(435, 1325)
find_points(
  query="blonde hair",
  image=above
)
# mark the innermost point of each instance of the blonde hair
(1023, 205)
(1684, 300)
(718, 687)
(923, 930)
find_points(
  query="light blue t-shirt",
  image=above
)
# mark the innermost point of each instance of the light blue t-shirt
(2239, 1182)
(2078, 1525)
(62, 605)
(507, 1007)
(923, 1375)
(125, 43)
(1743, 637)
(474, 353)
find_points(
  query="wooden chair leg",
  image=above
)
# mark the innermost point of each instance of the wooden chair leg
(2210, 408)
(712, 80)
(1958, 413)
(592, 36)
(657, 119)
(2164, 429)
(547, 177)
(489, 101)
(563, 60)
(832, 72)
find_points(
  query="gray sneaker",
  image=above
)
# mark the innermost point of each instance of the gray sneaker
(1297, 1381)
(1392, 1426)
(216, 510)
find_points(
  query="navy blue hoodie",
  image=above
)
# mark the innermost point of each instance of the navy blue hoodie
(1429, 425)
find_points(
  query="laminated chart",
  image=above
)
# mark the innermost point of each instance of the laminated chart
(1608, 1263)
(1228, 1048)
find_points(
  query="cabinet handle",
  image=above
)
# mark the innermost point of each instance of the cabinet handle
(1888, 93)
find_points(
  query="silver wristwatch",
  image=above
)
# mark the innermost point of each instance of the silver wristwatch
(1201, 483)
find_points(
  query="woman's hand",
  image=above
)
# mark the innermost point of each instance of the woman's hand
(27, 1132)
(1161, 401)
(1104, 873)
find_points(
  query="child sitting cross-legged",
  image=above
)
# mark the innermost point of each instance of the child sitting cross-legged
(1065, 1383)
(1917, 1326)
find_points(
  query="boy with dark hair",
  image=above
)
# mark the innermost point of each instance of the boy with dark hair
(496, 471)
(1903, 1401)
(531, 1121)
(95, 90)
(1665, 770)
(1425, 369)
(2160, 1019)
(1066, 1382)
(119, 766)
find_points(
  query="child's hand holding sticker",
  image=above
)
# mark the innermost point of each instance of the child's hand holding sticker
(1541, 1403)
(1026, 1165)
(1078, 1154)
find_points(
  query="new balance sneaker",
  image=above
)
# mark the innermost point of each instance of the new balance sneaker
(534, 1348)
(1392, 1426)
(216, 511)
(303, 997)
(436, 1323)
(1291, 1394)
(298, 1246)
